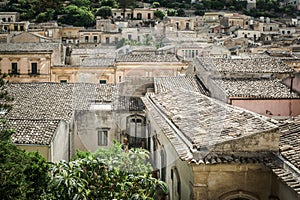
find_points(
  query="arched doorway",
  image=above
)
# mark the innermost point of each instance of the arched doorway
(136, 131)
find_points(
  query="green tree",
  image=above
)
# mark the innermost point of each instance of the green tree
(106, 174)
(23, 175)
(180, 12)
(110, 3)
(81, 3)
(171, 12)
(77, 16)
(104, 12)
(159, 14)
(45, 16)
(155, 4)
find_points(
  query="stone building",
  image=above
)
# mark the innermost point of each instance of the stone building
(148, 64)
(56, 119)
(205, 149)
(242, 82)
(93, 65)
(30, 62)
(143, 13)
(42, 118)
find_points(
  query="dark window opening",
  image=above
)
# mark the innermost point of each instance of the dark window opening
(139, 16)
(95, 39)
(34, 68)
(102, 81)
(86, 38)
(14, 68)
(63, 81)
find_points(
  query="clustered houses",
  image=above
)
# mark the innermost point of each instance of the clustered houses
(208, 96)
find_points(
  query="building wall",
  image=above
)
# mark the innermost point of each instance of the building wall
(60, 145)
(90, 122)
(281, 190)
(143, 14)
(278, 107)
(24, 62)
(9, 16)
(83, 74)
(171, 163)
(45, 151)
(90, 37)
(221, 181)
(150, 69)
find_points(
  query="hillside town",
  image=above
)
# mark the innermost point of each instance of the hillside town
(214, 98)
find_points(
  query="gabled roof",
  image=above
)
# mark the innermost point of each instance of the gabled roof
(255, 88)
(31, 131)
(196, 124)
(244, 65)
(147, 57)
(51, 101)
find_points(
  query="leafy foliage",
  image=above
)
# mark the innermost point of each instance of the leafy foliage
(104, 12)
(107, 174)
(77, 16)
(159, 14)
(23, 175)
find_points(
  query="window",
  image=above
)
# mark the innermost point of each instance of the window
(95, 39)
(139, 16)
(86, 38)
(21, 28)
(129, 37)
(149, 15)
(103, 137)
(14, 68)
(120, 79)
(34, 68)
(102, 81)
(15, 27)
(107, 40)
(63, 81)
(187, 26)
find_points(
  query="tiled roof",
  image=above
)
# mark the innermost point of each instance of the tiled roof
(202, 122)
(290, 142)
(21, 47)
(98, 62)
(106, 52)
(248, 65)
(127, 103)
(55, 100)
(30, 131)
(147, 57)
(255, 88)
(163, 84)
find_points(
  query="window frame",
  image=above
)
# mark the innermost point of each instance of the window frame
(103, 136)
(34, 65)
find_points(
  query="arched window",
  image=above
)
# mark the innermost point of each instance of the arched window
(239, 195)
(176, 184)
(136, 131)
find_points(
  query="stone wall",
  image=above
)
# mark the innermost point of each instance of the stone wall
(223, 181)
